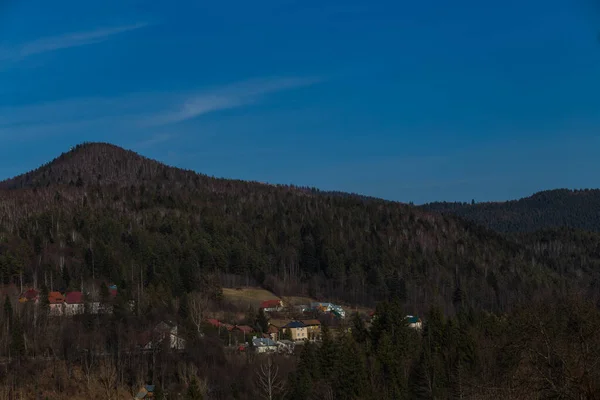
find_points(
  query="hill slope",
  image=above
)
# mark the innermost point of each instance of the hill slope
(578, 209)
(100, 210)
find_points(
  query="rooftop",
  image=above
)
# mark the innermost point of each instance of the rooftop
(295, 324)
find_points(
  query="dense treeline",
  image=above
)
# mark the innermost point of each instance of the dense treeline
(550, 209)
(100, 211)
(544, 349)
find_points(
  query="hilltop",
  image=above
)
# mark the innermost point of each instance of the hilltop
(103, 210)
(578, 209)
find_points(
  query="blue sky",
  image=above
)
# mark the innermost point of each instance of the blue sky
(409, 101)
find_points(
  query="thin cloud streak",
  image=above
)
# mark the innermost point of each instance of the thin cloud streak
(229, 97)
(65, 41)
(134, 113)
(154, 140)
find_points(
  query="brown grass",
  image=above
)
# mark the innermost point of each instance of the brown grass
(248, 296)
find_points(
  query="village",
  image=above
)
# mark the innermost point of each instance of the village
(289, 326)
(284, 325)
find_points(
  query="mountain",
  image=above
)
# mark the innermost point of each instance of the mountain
(102, 211)
(578, 209)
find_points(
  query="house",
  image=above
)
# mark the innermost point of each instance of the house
(302, 308)
(74, 303)
(414, 322)
(271, 305)
(213, 322)
(264, 345)
(245, 329)
(286, 346)
(30, 295)
(298, 330)
(329, 308)
(273, 332)
(147, 392)
(313, 328)
(56, 302)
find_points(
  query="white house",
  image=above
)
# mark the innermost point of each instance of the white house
(264, 345)
(74, 303)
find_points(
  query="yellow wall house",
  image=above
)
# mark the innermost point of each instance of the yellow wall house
(297, 330)
(313, 328)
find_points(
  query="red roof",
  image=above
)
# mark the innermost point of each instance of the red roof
(273, 329)
(228, 326)
(55, 298)
(31, 294)
(74, 298)
(245, 328)
(270, 303)
(214, 322)
(113, 293)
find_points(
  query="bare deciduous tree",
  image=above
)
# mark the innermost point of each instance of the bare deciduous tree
(198, 304)
(268, 381)
(107, 376)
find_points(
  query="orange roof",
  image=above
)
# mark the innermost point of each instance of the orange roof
(55, 297)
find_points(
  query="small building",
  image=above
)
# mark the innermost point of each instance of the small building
(245, 329)
(213, 322)
(273, 332)
(272, 305)
(74, 303)
(298, 330)
(264, 345)
(414, 322)
(302, 308)
(338, 311)
(30, 295)
(56, 303)
(147, 392)
(286, 346)
(313, 328)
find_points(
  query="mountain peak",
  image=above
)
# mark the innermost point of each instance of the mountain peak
(91, 163)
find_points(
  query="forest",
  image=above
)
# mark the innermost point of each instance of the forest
(100, 215)
(551, 209)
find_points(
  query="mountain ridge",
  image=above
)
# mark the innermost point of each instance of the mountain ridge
(103, 210)
(549, 209)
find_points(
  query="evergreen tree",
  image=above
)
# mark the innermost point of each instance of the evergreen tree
(193, 392)
(262, 321)
(66, 278)
(158, 393)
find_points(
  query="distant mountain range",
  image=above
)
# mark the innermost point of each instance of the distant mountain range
(560, 208)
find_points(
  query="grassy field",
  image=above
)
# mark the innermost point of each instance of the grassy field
(248, 296)
(297, 300)
(254, 296)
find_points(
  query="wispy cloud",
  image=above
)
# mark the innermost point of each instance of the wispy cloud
(65, 41)
(225, 98)
(139, 115)
(154, 140)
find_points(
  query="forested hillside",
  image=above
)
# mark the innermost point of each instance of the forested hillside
(505, 317)
(578, 209)
(102, 211)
